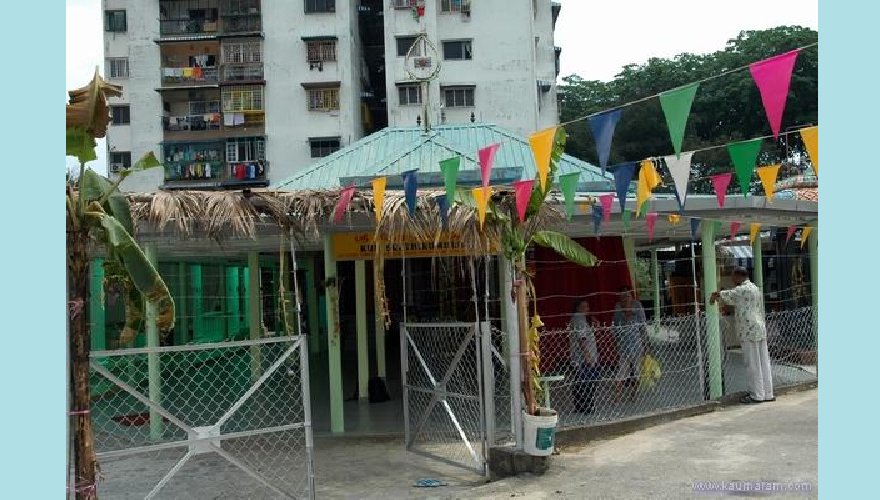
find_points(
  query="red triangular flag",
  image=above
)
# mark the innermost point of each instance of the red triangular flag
(773, 78)
(720, 183)
(607, 200)
(523, 192)
(487, 158)
(342, 205)
(734, 229)
(791, 231)
(651, 221)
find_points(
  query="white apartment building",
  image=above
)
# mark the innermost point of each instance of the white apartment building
(237, 93)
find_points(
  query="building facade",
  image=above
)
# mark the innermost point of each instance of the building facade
(238, 93)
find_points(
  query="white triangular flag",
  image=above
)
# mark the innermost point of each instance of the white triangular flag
(680, 168)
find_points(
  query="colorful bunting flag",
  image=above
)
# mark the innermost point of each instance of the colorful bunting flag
(680, 168)
(768, 176)
(626, 216)
(410, 186)
(720, 183)
(651, 222)
(695, 225)
(597, 218)
(623, 174)
(443, 206)
(753, 231)
(810, 135)
(482, 196)
(568, 185)
(487, 158)
(734, 229)
(717, 227)
(790, 233)
(542, 147)
(449, 168)
(648, 180)
(773, 77)
(744, 155)
(676, 106)
(674, 219)
(805, 234)
(379, 196)
(602, 126)
(523, 193)
(606, 201)
(342, 205)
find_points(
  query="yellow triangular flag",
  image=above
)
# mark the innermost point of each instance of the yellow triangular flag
(805, 234)
(379, 196)
(542, 146)
(810, 135)
(481, 196)
(674, 219)
(648, 180)
(584, 207)
(753, 232)
(768, 176)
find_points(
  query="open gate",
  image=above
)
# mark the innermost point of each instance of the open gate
(447, 392)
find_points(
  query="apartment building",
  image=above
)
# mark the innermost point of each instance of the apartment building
(237, 93)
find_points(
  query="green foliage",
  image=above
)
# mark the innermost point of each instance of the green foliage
(80, 144)
(565, 246)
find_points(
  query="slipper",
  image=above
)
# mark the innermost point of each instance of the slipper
(429, 483)
(748, 399)
(769, 400)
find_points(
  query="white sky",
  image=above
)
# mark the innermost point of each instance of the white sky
(597, 38)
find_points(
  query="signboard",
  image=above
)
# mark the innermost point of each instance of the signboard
(362, 246)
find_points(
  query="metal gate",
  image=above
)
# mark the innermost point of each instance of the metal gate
(221, 420)
(445, 392)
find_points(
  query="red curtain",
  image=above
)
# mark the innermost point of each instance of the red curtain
(558, 283)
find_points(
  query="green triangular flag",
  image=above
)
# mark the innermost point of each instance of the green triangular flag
(568, 185)
(676, 106)
(449, 167)
(744, 155)
(626, 217)
(718, 226)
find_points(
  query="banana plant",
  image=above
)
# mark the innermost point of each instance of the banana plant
(98, 213)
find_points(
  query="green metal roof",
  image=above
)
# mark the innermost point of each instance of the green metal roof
(392, 151)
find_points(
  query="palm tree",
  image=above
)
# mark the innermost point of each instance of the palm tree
(97, 212)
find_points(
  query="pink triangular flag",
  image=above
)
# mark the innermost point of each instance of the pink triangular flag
(342, 205)
(720, 183)
(651, 221)
(790, 233)
(523, 192)
(607, 201)
(773, 78)
(734, 229)
(487, 158)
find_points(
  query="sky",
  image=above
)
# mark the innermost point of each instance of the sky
(597, 38)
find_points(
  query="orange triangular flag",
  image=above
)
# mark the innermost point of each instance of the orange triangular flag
(768, 176)
(674, 219)
(379, 196)
(481, 196)
(753, 232)
(805, 234)
(810, 135)
(542, 146)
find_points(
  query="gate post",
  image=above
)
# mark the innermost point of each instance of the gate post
(713, 325)
(488, 371)
(153, 368)
(513, 350)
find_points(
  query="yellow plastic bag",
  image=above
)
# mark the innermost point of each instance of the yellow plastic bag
(650, 372)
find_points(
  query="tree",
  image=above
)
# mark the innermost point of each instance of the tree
(725, 109)
(97, 212)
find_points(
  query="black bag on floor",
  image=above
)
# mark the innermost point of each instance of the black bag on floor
(377, 391)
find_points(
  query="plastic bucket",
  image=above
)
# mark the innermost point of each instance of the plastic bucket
(539, 432)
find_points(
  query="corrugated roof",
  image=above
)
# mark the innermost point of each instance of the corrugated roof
(392, 151)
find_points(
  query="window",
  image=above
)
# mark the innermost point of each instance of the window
(326, 99)
(117, 67)
(457, 50)
(120, 115)
(409, 95)
(403, 4)
(242, 98)
(203, 107)
(455, 5)
(119, 160)
(246, 149)
(114, 21)
(243, 52)
(322, 51)
(403, 45)
(458, 97)
(324, 146)
(319, 6)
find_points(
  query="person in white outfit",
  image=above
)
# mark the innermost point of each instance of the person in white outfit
(748, 316)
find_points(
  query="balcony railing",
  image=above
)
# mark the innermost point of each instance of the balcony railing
(194, 170)
(243, 72)
(247, 173)
(192, 123)
(242, 23)
(183, 27)
(189, 76)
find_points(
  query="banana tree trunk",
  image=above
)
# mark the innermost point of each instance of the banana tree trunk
(522, 310)
(85, 462)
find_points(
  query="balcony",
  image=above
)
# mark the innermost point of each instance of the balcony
(190, 76)
(246, 174)
(242, 24)
(243, 73)
(187, 20)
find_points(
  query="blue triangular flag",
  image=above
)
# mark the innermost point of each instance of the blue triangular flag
(680, 204)
(443, 205)
(602, 126)
(695, 224)
(410, 185)
(597, 217)
(623, 175)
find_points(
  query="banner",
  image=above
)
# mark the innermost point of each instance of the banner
(523, 193)
(623, 174)
(606, 201)
(410, 186)
(482, 196)
(449, 168)
(651, 222)
(680, 168)
(674, 219)
(542, 147)
(734, 229)
(744, 155)
(676, 106)
(379, 196)
(568, 185)
(768, 176)
(753, 231)
(602, 126)
(810, 135)
(487, 158)
(773, 78)
(720, 183)
(342, 205)
(648, 180)
(362, 246)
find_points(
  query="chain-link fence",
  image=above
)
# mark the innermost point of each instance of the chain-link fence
(222, 420)
(791, 343)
